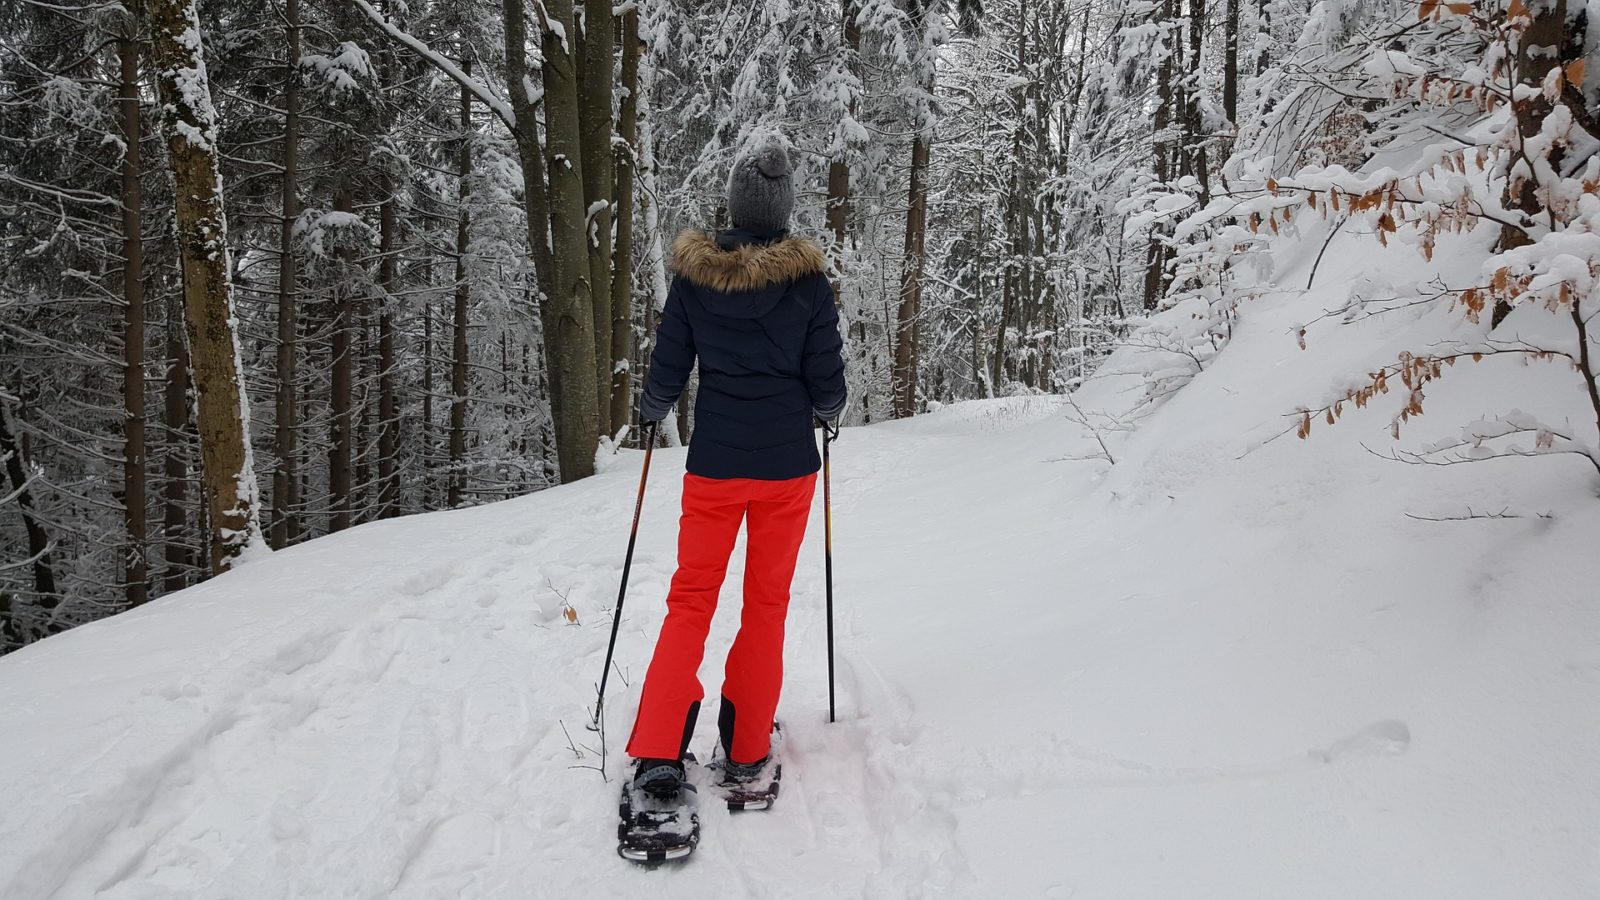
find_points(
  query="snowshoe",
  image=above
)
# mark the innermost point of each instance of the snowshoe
(747, 788)
(658, 817)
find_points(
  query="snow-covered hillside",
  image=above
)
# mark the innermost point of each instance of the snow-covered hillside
(1231, 664)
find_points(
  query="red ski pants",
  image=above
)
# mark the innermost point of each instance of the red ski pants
(775, 514)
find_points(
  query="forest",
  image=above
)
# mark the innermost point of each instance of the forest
(271, 269)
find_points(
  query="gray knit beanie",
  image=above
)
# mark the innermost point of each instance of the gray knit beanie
(760, 191)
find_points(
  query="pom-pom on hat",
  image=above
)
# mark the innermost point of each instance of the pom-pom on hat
(760, 189)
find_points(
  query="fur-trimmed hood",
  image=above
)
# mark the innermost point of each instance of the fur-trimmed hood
(696, 256)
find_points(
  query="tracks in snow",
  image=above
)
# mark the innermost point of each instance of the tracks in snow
(400, 734)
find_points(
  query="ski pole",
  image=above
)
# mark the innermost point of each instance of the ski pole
(627, 564)
(827, 549)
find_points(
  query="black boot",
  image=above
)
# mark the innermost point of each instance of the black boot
(662, 778)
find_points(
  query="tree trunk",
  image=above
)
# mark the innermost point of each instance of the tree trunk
(568, 311)
(1008, 299)
(456, 484)
(524, 484)
(554, 201)
(223, 411)
(1230, 63)
(342, 425)
(983, 383)
(286, 476)
(1018, 268)
(388, 405)
(686, 409)
(1035, 69)
(505, 375)
(135, 572)
(361, 407)
(659, 285)
(904, 375)
(1194, 147)
(388, 238)
(622, 333)
(1039, 298)
(838, 203)
(427, 386)
(12, 632)
(1263, 28)
(1157, 254)
(44, 576)
(1539, 51)
(530, 151)
(175, 471)
(594, 88)
(905, 350)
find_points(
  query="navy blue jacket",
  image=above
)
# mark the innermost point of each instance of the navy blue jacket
(757, 310)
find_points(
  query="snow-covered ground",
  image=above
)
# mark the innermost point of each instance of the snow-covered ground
(1233, 664)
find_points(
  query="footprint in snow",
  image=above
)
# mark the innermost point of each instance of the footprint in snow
(184, 688)
(525, 538)
(1390, 737)
(416, 759)
(427, 581)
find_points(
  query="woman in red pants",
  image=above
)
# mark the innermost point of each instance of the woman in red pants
(754, 306)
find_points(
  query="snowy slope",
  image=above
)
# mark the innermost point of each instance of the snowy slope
(1233, 664)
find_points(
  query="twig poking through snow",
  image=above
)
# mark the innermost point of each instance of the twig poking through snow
(1095, 430)
(1470, 515)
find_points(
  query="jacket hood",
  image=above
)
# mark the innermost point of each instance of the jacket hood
(746, 268)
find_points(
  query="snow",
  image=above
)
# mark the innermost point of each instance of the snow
(189, 88)
(555, 27)
(1393, 62)
(343, 71)
(1232, 664)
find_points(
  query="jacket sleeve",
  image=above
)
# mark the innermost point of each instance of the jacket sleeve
(670, 361)
(824, 359)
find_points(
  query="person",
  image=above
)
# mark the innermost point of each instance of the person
(754, 305)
